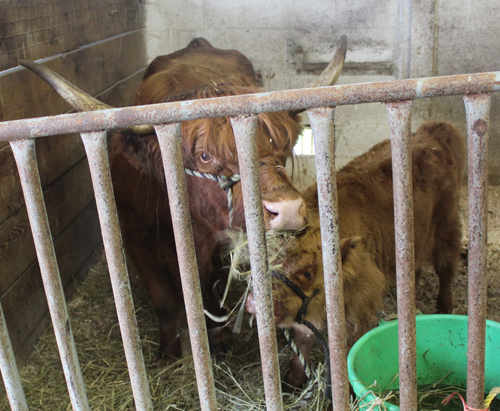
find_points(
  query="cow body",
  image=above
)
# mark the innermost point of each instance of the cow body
(366, 225)
(208, 145)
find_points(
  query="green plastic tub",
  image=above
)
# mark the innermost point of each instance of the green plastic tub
(441, 348)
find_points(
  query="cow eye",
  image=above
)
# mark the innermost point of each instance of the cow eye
(206, 158)
(307, 274)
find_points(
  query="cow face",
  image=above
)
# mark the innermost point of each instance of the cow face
(299, 259)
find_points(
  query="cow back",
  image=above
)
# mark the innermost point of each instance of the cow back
(365, 194)
(194, 67)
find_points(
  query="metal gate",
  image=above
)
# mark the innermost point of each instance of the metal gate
(320, 104)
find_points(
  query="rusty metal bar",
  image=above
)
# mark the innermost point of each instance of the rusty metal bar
(25, 156)
(245, 133)
(478, 116)
(10, 373)
(169, 138)
(322, 125)
(253, 103)
(399, 121)
(96, 148)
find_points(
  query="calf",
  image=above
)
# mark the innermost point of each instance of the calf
(366, 225)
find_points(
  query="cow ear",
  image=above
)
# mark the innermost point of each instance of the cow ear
(143, 153)
(347, 245)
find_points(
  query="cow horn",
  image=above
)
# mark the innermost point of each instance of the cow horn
(77, 98)
(332, 72)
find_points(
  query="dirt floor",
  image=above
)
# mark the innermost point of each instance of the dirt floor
(237, 373)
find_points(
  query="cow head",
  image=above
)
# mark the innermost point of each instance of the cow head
(209, 147)
(300, 260)
(209, 144)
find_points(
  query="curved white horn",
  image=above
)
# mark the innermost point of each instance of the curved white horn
(77, 98)
(332, 72)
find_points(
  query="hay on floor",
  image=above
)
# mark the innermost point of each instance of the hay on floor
(238, 379)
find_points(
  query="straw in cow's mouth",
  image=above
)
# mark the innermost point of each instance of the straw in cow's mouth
(238, 259)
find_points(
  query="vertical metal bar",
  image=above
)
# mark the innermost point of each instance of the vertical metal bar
(399, 121)
(96, 147)
(169, 137)
(478, 114)
(25, 156)
(10, 373)
(322, 125)
(245, 133)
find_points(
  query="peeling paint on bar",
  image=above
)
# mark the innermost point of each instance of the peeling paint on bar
(24, 154)
(169, 138)
(477, 109)
(247, 104)
(245, 132)
(10, 373)
(496, 84)
(322, 124)
(399, 121)
(96, 149)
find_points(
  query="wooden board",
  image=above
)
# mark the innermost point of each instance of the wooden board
(24, 304)
(35, 29)
(64, 200)
(111, 68)
(57, 154)
(94, 68)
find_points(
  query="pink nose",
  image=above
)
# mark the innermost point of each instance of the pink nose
(251, 304)
(286, 215)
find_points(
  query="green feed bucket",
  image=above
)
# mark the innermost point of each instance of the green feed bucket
(441, 348)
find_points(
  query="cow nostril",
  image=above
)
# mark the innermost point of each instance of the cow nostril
(274, 213)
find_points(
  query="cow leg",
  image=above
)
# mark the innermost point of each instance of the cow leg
(162, 279)
(446, 273)
(219, 335)
(296, 376)
(170, 349)
(214, 279)
(446, 258)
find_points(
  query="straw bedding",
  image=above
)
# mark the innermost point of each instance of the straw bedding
(237, 373)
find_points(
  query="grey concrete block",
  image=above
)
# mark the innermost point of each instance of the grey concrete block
(228, 14)
(287, 14)
(453, 13)
(221, 39)
(261, 45)
(469, 50)
(361, 114)
(363, 14)
(484, 13)
(171, 14)
(158, 42)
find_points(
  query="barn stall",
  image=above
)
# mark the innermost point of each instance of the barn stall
(106, 45)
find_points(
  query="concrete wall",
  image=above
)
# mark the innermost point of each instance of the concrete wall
(388, 40)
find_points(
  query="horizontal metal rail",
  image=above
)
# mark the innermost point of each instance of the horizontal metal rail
(481, 83)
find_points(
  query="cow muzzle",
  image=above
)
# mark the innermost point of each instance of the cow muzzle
(285, 215)
(279, 312)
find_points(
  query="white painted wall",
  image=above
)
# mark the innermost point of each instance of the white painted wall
(388, 40)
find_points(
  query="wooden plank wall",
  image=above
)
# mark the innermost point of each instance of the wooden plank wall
(106, 58)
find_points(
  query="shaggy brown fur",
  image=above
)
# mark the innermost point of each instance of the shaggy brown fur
(197, 72)
(366, 223)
